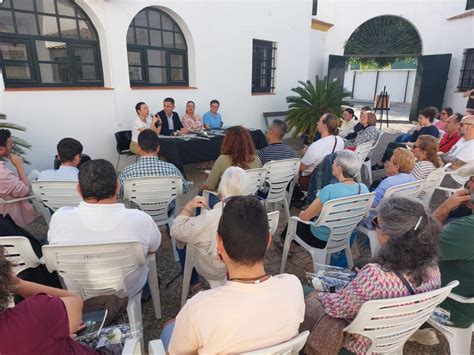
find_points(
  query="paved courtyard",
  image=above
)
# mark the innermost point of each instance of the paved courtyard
(299, 262)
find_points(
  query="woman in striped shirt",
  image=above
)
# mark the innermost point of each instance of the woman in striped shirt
(425, 151)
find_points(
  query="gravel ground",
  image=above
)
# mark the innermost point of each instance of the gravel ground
(298, 264)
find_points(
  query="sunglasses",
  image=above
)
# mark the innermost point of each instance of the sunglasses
(375, 223)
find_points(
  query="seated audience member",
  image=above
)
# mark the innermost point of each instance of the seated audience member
(358, 127)
(425, 151)
(200, 230)
(452, 134)
(212, 118)
(13, 186)
(276, 150)
(169, 120)
(143, 121)
(329, 143)
(444, 115)
(406, 264)
(191, 120)
(457, 250)
(470, 101)
(100, 218)
(253, 309)
(369, 134)
(461, 153)
(399, 169)
(345, 168)
(149, 163)
(349, 120)
(43, 323)
(69, 154)
(237, 149)
(425, 126)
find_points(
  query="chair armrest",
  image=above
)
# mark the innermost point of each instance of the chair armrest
(132, 347)
(6, 202)
(155, 347)
(297, 219)
(461, 299)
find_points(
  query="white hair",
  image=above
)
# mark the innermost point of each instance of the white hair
(234, 182)
(348, 162)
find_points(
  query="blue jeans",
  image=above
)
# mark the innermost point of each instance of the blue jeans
(182, 261)
(166, 334)
(403, 138)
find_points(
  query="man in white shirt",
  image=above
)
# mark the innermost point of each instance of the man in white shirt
(252, 310)
(99, 218)
(69, 154)
(329, 143)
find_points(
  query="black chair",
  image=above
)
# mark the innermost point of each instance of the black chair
(123, 139)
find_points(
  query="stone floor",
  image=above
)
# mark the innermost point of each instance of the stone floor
(299, 263)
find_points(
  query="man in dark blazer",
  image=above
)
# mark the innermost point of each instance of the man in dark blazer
(169, 119)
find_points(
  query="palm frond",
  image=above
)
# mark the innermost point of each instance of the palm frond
(19, 143)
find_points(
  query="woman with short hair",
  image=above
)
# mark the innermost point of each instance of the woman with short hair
(368, 134)
(406, 264)
(199, 230)
(40, 324)
(345, 168)
(425, 151)
(237, 149)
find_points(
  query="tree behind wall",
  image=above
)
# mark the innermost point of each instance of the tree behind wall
(311, 102)
(19, 144)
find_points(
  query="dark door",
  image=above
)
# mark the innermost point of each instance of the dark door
(336, 68)
(430, 82)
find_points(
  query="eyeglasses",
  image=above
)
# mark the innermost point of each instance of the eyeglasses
(466, 123)
(375, 223)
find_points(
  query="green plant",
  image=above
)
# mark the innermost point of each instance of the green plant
(311, 102)
(19, 144)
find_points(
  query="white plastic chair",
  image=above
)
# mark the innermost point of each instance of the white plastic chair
(132, 347)
(192, 252)
(430, 184)
(292, 346)
(388, 323)
(153, 195)
(20, 253)
(256, 179)
(362, 151)
(341, 216)
(101, 269)
(278, 175)
(54, 195)
(367, 164)
(411, 189)
(459, 339)
(449, 191)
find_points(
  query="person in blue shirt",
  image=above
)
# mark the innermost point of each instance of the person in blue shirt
(212, 118)
(69, 155)
(345, 168)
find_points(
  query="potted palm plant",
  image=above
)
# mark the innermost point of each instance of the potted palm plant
(19, 144)
(310, 102)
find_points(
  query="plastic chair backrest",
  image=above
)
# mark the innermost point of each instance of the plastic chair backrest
(20, 253)
(388, 323)
(153, 195)
(410, 189)
(362, 151)
(123, 139)
(341, 216)
(273, 218)
(256, 179)
(292, 346)
(56, 194)
(432, 181)
(95, 269)
(278, 175)
(375, 146)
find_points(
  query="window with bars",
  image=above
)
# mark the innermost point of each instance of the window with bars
(469, 4)
(48, 43)
(315, 7)
(157, 50)
(466, 79)
(263, 66)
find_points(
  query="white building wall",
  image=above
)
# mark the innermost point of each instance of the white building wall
(219, 36)
(429, 17)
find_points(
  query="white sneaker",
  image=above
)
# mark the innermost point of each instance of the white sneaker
(425, 336)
